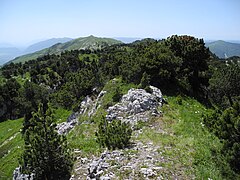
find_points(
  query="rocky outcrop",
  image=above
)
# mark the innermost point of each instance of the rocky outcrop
(96, 104)
(72, 120)
(87, 107)
(137, 105)
(65, 127)
(139, 161)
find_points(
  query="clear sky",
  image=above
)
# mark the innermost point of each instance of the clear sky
(25, 21)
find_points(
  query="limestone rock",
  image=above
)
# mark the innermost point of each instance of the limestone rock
(87, 106)
(136, 105)
(140, 160)
(147, 172)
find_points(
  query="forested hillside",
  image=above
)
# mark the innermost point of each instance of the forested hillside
(224, 49)
(89, 42)
(181, 66)
(7, 52)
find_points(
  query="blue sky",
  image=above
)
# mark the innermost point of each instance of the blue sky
(25, 21)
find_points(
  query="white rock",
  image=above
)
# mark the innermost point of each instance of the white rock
(136, 105)
(147, 172)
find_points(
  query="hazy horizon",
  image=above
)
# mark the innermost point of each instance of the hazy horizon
(26, 22)
(26, 45)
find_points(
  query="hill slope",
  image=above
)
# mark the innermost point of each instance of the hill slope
(8, 52)
(224, 49)
(90, 42)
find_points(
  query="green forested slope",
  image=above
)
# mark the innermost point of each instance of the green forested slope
(89, 42)
(224, 49)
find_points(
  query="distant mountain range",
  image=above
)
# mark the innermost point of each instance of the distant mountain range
(224, 49)
(89, 42)
(8, 52)
(45, 44)
(221, 48)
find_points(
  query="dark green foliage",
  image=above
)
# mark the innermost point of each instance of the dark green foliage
(194, 57)
(226, 125)
(114, 134)
(46, 153)
(32, 95)
(144, 81)
(225, 84)
(117, 94)
(10, 103)
(17, 101)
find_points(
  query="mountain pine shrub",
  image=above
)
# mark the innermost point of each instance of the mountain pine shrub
(46, 153)
(114, 134)
(226, 125)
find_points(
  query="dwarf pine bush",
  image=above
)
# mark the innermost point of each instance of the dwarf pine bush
(114, 134)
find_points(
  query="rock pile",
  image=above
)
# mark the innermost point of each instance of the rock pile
(142, 161)
(137, 105)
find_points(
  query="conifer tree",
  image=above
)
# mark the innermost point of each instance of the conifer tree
(46, 154)
(114, 134)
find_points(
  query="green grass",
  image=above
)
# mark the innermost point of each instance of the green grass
(2, 79)
(79, 43)
(20, 79)
(9, 128)
(83, 138)
(196, 138)
(111, 87)
(11, 145)
(185, 141)
(220, 48)
(61, 114)
(11, 142)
